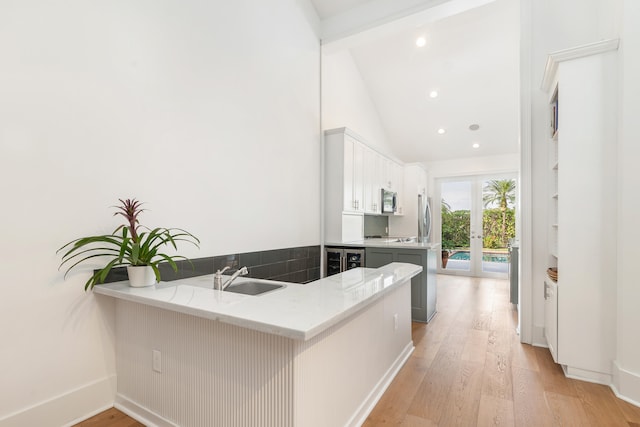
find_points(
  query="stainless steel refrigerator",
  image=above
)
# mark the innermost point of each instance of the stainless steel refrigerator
(424, 219)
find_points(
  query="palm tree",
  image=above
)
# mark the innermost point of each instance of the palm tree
(446, 207)
(503, 193)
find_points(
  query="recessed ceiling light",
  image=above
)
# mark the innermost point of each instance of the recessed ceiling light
(474, 126)
(421, 41)
(433, 94)
(476, 145)
(441, 131)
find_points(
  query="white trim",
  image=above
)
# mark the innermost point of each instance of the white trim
(538, 338)
(525, 279)
(88, 399)
(626, 384)
(140, 413)
(573, 53)
(586, 375)
(370, 402)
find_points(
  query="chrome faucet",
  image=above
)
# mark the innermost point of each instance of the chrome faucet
(217, 279)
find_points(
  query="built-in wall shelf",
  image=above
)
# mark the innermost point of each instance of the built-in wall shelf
(581, 87)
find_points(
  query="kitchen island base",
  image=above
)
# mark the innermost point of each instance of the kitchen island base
(210, 373)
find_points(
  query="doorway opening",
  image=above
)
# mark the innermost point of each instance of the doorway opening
(477, 224)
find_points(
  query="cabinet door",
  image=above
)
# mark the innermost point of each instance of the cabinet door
(358, 176)
(432, 291)
(375, 257)
(349, 201)
(551, 317)
(422, 182)
(419, 295)
(386, 174)
(398, 186)
(371, 179)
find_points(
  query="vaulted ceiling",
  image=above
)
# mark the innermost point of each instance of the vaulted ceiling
(471, 58)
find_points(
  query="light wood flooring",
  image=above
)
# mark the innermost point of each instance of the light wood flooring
(469, 369)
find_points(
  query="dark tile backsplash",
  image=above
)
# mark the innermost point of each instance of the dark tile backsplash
(297, 265)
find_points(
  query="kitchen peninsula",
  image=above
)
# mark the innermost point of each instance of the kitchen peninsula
(318, 354)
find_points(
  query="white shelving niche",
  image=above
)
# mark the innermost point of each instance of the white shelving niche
(580, 305)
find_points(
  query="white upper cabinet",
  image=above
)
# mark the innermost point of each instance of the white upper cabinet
(372, 186)
(355, 174)
(386, 174)
(353, 170)
(397, 176)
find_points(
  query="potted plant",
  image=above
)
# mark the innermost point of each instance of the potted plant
(445, 257)
(130, 244)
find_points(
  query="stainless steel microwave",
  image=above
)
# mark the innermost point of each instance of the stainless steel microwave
(388, 201)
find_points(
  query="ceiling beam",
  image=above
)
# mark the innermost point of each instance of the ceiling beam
(381, 17)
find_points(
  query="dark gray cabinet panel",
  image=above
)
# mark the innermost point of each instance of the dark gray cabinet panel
(423, 286)
(377, 258)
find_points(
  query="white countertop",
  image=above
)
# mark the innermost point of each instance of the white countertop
(295, 311)
(386, 242)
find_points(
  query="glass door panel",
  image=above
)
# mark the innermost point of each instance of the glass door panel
(498, 223)
(456, 201)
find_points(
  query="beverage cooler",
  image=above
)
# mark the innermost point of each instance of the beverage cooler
(342, 259)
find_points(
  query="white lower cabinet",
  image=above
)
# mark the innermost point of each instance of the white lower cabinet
(551, 317)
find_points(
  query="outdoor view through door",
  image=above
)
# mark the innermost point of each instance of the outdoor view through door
(477, 224)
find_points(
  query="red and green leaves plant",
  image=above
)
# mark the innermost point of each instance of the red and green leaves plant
(129, 244)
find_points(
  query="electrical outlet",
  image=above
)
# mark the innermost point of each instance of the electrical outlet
(395, 322)
(156, 361)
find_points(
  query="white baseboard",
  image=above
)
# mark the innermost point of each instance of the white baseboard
(626, 384)
(140, 413)
(586, 375)
(370, 402)
(62, 410)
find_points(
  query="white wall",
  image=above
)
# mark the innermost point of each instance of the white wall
(473, 166)
(346, 101)
(505, 163)
(556, 25)
(628, 363)
(208, 112)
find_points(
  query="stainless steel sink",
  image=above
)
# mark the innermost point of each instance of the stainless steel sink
(252, 288)
(402, 240)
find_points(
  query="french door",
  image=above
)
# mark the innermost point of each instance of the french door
(476, 224)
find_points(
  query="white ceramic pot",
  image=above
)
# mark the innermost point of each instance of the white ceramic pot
(141, 276)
